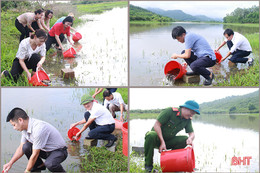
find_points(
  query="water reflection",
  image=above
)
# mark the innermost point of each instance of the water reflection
(151, 47)
(214, 145)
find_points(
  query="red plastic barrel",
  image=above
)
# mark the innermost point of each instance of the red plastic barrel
(125, 138)
(72, 132)
(69, 53)
(218, 55)
(38, 77)
(175, 68)
(118, 124)
(76, 37)
(180, 160)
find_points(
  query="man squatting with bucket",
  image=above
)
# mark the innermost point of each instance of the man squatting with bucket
(39, 140)
(197, 54)
(163, 134)
(98, 119)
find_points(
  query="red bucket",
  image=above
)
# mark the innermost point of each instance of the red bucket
(72, 132)
(125, 138)
(218, 56)
(69, 53)
(180, 160)
(76, 37)
(38, 77)
(118, 124)
(175, 68)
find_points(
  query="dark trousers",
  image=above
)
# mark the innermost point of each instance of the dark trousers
(53, 158)
(199, 65)
(100, 132)
(152, 141)
(24, 30)
(239, 55)
(35, 26)
(51, 40)
(17, 69)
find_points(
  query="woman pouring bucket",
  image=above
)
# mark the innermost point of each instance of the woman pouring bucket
(30, 55)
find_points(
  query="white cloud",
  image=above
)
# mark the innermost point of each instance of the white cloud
(214, 9)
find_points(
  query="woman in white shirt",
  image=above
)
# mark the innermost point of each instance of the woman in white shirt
(30, 55)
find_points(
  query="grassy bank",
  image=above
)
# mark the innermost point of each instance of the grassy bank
(10, 34)
(102, 160)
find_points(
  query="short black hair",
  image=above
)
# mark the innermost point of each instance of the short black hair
(47, 12)
(39, 11)
(177, 31)
(229, 32)
(40, 33)
(16, 113)
(106, 93)
(68, 19)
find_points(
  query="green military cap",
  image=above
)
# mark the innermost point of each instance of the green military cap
(191, 104)
(86, 99)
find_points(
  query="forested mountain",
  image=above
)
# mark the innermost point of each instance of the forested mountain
(181, 16)
(248, 103)
(140, 14)
(243, 15)
(233, 104)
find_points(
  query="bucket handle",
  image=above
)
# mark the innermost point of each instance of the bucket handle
(190, 146)
(37, 69)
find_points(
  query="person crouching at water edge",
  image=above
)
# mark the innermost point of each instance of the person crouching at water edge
(197, 54)
(163, 134)
(39, 140)
(24, 22)
(30, 55)
(56, 34)
(239, 47)
(98, 119)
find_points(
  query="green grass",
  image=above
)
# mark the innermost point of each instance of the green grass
(122, 91)
(102, 160)
(10, 35)
(243, 24)
(101, 7)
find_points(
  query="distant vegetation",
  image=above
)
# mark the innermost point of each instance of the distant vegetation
(248, 103)
(243, 15)
(140, 14)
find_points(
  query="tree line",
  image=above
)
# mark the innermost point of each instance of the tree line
(140, 14)
(243, 15)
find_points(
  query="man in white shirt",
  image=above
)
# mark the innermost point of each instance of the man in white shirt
(98, 119)
(114, 102)
(39, 140)
(239, 47)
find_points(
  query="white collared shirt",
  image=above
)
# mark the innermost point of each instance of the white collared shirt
(42, 135)
(117, 100)
(239, 43)
(102, 114)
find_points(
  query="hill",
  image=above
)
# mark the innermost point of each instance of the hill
(140, 14)
(248, 103)
(181, 16)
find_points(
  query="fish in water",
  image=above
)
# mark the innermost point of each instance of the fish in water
(46, 82)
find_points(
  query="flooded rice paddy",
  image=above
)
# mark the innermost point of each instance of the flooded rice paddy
(151, 47)
(215, 143)
(101, 58)
(59, 107)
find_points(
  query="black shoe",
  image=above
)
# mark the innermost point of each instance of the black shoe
(38, 169)
(191, 73)
(209, 81)
(150, 169)
(87, 137)
(111, 142)
(250, 61)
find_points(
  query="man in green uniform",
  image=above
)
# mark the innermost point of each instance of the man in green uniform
(163, 134)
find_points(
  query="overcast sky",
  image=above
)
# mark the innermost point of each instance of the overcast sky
(214, 9)
(153, 98)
